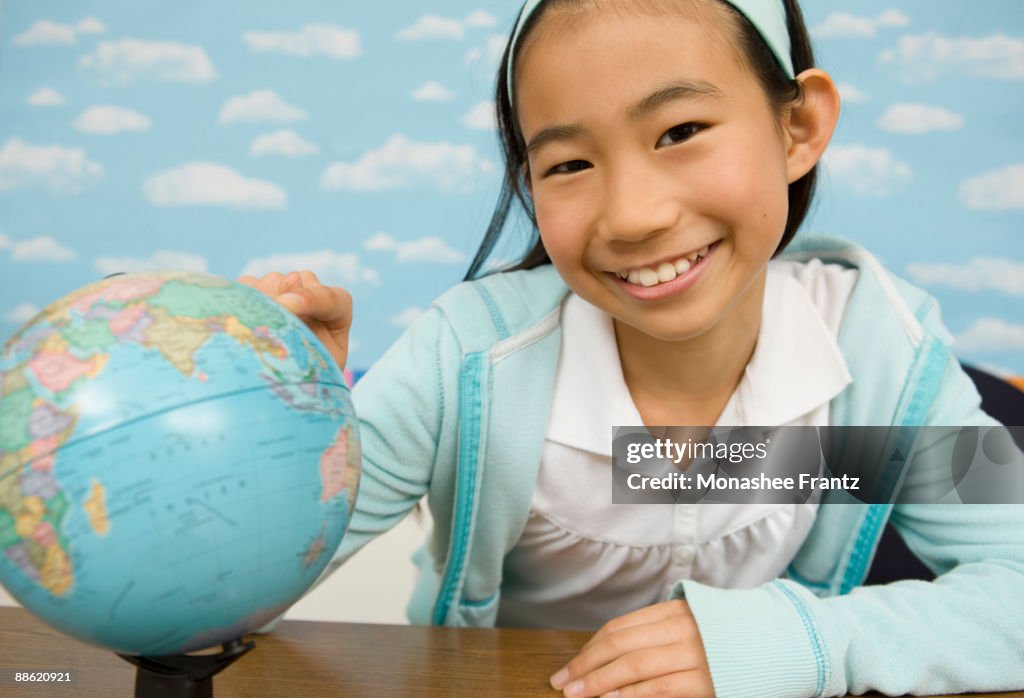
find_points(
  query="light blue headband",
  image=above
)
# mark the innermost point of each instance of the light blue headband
(767, 16)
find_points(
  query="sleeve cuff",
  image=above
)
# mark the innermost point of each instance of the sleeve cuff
(760, 642)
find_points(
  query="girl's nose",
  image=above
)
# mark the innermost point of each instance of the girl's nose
(638, 202)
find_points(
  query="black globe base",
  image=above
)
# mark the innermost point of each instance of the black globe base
(183, 675)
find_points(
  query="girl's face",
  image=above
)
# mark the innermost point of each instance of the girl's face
(650, 140)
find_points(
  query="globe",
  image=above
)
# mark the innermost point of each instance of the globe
(178, 462)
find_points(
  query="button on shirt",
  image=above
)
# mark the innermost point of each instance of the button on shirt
(582, 560)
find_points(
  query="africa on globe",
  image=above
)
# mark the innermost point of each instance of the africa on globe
(179, 459)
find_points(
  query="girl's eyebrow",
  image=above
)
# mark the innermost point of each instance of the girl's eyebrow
(679, 89)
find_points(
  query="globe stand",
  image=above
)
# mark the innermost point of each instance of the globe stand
(183, 675)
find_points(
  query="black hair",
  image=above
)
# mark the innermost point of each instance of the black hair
(779, 88)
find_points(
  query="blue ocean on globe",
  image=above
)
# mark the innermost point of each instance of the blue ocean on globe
(179, 458)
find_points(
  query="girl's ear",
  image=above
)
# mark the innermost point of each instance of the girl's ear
(810, 123)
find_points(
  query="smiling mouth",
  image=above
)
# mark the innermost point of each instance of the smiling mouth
(666, 271)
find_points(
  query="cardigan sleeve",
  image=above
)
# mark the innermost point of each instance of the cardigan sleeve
(964, 631)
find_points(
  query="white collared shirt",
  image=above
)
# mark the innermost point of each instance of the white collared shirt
(581, 560)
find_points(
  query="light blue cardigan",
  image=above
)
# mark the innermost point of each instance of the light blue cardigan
(458, 407)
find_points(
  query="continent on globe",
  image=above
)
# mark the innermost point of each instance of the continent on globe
(339, 464)
(96, 508)
(138, 509)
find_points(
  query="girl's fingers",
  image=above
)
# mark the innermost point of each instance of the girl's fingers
(691, 684)
(291, 280)
(650, 665)
(308, 278)
(302, 293)
(326, 310)
(331, 305)
(647, 614)
(274, 283)
(270, 283)
(337, 349)
(635, 638)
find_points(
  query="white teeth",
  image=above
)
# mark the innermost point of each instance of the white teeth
(666, 271)
(643, 277)
(648, 277)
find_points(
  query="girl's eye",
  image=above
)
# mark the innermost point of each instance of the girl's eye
(569, 167)
(680, 133)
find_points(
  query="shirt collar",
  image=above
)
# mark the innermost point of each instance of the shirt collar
(796, 367)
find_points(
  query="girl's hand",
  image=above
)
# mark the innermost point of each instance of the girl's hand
(656, 651)
(327, 310)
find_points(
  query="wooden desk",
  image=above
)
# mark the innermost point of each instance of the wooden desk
(308, 660)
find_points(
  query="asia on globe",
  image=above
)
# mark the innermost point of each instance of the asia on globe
(178, 462)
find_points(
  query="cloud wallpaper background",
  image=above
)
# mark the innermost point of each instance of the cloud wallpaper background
(357, 140)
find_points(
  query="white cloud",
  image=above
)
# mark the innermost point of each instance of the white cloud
(401, 162)
(989, 334)
(22, 312)
(432, 92)
(871, 171)
(39, 249)
(425, 249)
(259, 105)
(487, 56)
(979, 274)
(846, 25)
(996, 190)
(432, 27)
(46, 97)
(64, 170)
(160, 259)
(209, 183)
(312, 39)
(919, 118)
(435, 27)
(45, 32)
(843, 24)
(926, 57)
(90, 25)
(407, 316)
(850, 94)
(284, 142)
(107, 119)
(380, 241)
(330, 267)
(892, 18)
(428, 249)
(479, 18)
(121, 62)
(481, 116)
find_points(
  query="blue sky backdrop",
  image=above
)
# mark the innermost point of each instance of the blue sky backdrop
(357, 140)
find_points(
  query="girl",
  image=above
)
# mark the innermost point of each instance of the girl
(665, 151)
